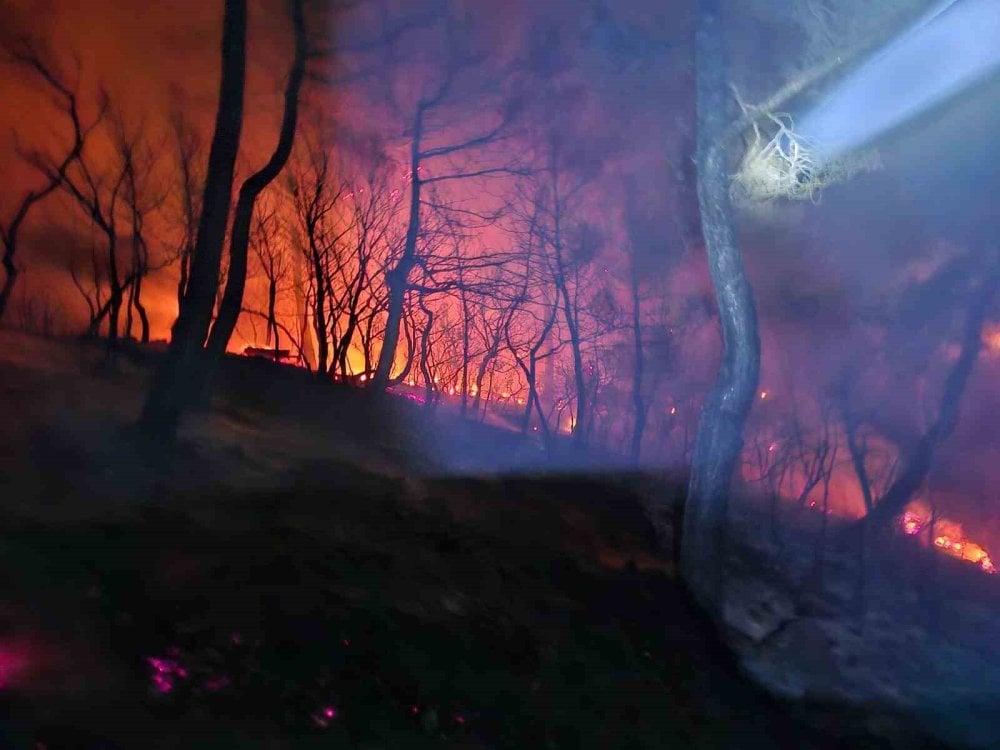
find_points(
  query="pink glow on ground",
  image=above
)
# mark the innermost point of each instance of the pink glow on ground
(165, 673)
(15, 658)
(216, 683)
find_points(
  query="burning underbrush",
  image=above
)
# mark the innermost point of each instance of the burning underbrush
(907, 615)
(948, 536)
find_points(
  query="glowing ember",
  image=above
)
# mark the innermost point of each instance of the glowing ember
(324, 716)
(13, 661)
(165, 673)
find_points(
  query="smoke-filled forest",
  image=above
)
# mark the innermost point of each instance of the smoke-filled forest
(556, 374)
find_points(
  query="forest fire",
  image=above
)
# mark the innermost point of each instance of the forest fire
(952, 542)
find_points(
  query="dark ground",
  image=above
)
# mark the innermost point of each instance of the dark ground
(291, 559)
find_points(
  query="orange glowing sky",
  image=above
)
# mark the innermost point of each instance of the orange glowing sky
(150, 57)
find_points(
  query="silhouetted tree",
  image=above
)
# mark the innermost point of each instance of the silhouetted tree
(448, 143)
(25, 55)
(103, 196)
(140, 198)
(184, 365)
(916, 462)
(273, 262)
(232, 299)
(187, 153)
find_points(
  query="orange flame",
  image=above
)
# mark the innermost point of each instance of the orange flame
(952, 542)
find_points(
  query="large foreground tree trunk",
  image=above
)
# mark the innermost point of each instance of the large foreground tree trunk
(172, 385)
(720, 428)
(232, 299)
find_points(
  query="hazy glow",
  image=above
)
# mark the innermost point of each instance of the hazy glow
(938, 58)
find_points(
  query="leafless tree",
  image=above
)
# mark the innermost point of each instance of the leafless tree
(232, 299)
(274, 265)
(316, 191)
(371, 209)
(448, 143)
(531, 335)
(102, 197)
(570, 247)
(915, 462)
(646, 252)
(26, 55)
(141, 198)
(187, 153)
(171, 390)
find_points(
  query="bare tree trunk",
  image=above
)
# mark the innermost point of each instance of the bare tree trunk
(171, 389)
(319, 319)
(232, 299)
(9, 252)
(54, 175)
(397, 279)
(720, 428)
(117, 291)
(140, 255)
(919, 462)
(465, 344)
(572, 325)
(141, 311)
(425, 351)
(639, 364)
(858, 454)
(182, 282)
(187, 150)
(272, 319)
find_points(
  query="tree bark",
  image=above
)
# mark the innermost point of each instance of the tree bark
(171, 389)
(720, 428)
